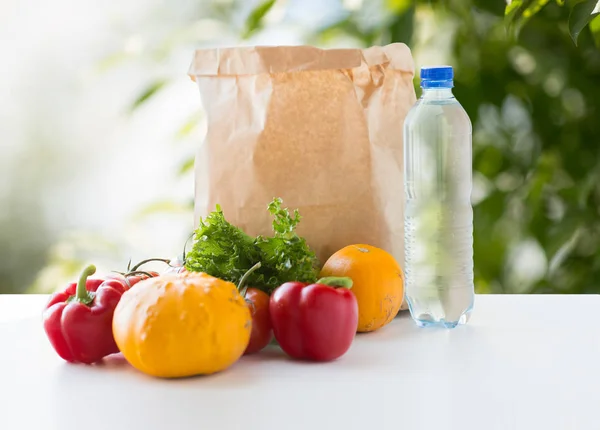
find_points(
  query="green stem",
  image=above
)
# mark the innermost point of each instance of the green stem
(190, 237)
(148, 260)
(139, 272)
(241, 287)
(82, 292)
(82, 295)
(336, 281)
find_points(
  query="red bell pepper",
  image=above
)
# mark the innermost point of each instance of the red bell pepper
(314, 322)
(78, 320)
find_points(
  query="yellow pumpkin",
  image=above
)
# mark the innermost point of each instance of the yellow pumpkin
(179, 325)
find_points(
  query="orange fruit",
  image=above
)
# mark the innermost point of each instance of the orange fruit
(378, 283)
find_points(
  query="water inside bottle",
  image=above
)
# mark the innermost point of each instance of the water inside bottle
(438, 214)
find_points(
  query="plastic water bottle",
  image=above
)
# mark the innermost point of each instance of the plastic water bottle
(438, 219)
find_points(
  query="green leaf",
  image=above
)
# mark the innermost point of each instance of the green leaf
(147, 93)
(512, 15)
(547, 165)
(513, 10)
(254, 20)
(587, 187)
(582, 13)
(595, 29)
(187, 166)
(402, 28)
(569, 237)
(283, 223)
(399, 6)
(162, 206)
(225, 251)
(112, 61)
(189, 126)
(346, 27)
(534, 8)
(495, 7)
(518, 12)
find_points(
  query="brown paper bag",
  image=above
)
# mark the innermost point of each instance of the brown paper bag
(322, 129)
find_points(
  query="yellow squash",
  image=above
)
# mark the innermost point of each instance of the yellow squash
(181, 325)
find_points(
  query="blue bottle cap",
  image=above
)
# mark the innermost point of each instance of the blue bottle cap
(437, 77)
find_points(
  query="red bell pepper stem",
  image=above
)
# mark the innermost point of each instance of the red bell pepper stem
(82, 295)
(336, 282)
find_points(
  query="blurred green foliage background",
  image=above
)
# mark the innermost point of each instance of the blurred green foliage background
(528, 74)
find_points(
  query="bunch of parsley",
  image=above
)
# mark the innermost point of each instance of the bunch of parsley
(226, 252)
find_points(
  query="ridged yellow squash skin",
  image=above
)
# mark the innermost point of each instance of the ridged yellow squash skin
(180, 325)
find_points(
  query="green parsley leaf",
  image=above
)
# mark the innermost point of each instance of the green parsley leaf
(226, 252)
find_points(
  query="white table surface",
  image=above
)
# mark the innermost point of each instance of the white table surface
(522, 362)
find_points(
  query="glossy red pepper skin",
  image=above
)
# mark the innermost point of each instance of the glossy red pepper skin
(313, 322)
(79, 332)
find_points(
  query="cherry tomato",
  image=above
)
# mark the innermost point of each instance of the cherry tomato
(262, 330)
(137, 278)
(132, 279)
